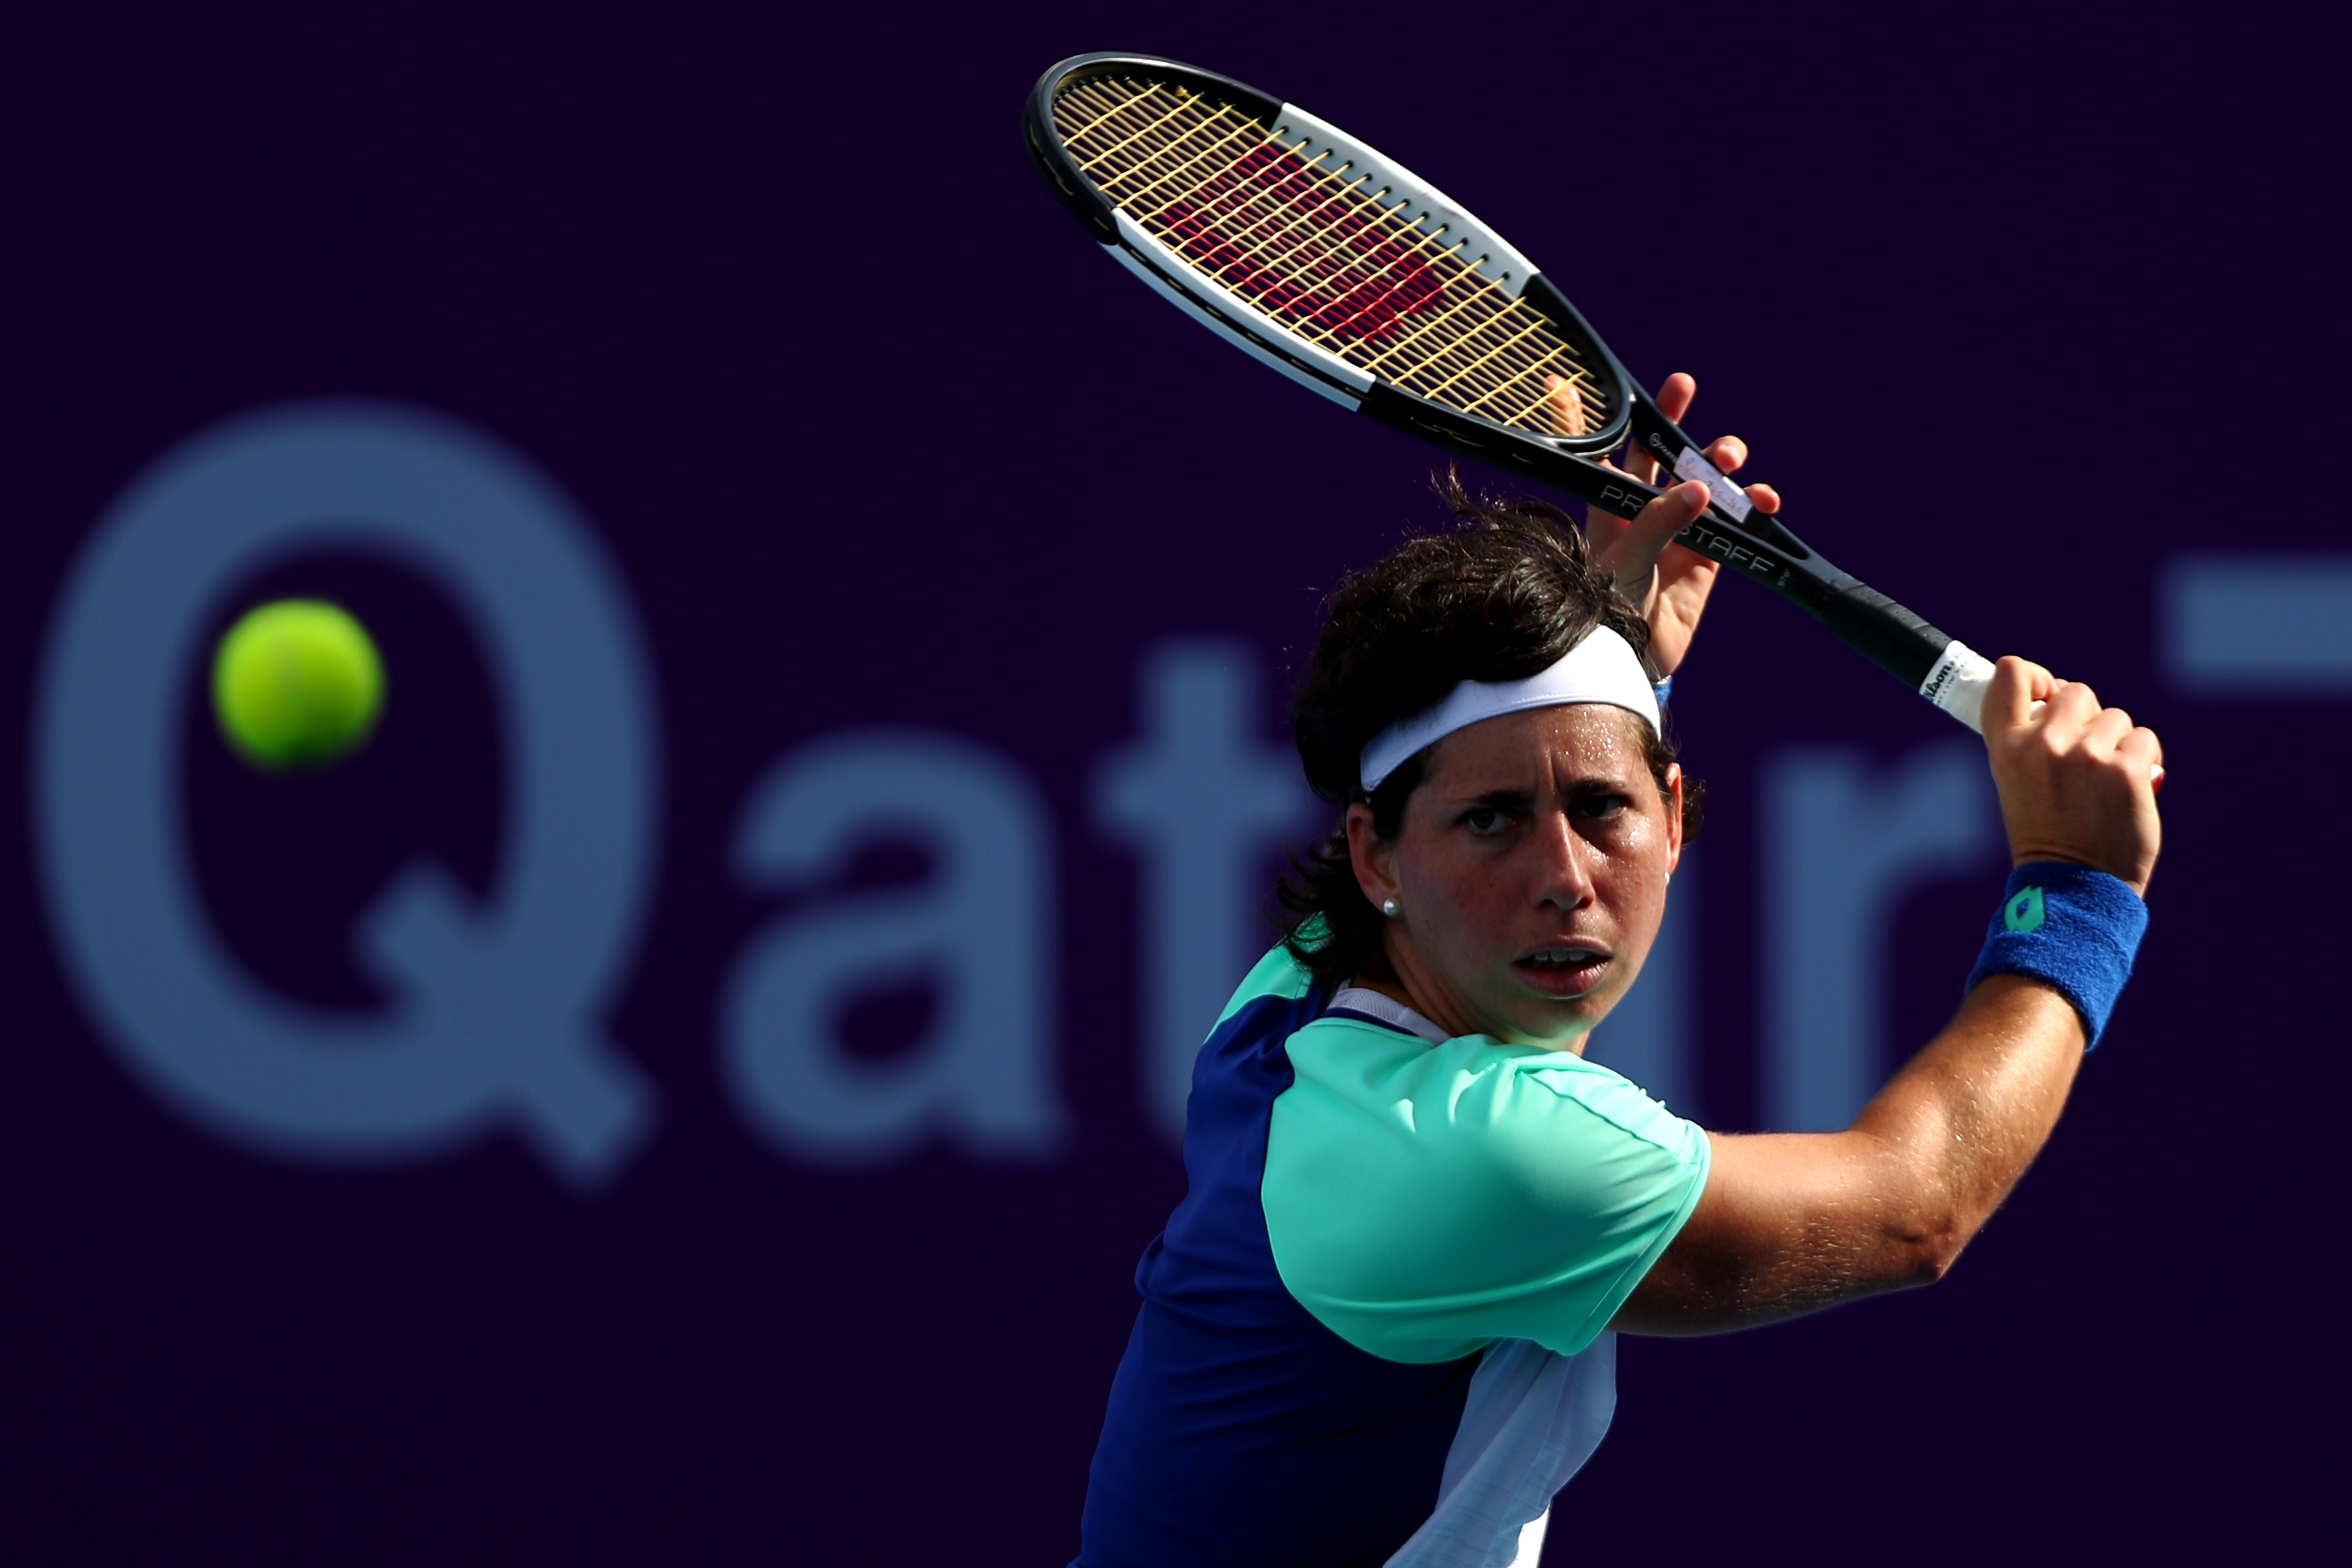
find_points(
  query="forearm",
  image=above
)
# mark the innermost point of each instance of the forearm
(1793, 1223)
(1789, 1222)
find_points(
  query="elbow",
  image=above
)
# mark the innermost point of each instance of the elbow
(1925, 1219)
(1922, 1252)
(1926, 1266)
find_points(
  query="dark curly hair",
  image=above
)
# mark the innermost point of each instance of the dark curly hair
(1501, 595)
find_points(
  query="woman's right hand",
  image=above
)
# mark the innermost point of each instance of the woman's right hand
(2077, 780)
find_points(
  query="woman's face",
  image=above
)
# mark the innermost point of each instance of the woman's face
(1530, 871)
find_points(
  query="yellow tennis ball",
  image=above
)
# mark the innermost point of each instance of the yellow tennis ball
(297, 684)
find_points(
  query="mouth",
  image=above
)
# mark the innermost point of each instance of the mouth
(1564, 970)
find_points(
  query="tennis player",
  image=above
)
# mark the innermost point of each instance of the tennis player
(1377, 1328)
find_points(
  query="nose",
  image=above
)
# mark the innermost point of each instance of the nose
(1563, 871)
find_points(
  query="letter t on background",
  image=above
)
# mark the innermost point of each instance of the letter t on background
(1204, 802)
(1845, 844)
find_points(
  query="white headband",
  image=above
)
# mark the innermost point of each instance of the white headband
(1603, 668)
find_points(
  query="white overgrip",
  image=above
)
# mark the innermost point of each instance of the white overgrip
(1958, 683)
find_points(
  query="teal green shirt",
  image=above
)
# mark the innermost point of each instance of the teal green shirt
(1423, 1201)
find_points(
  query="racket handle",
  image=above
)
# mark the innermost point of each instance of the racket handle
(1958, 683)
(1964, 674)
(1941, 667)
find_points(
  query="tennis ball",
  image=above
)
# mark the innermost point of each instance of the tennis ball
(297, 684)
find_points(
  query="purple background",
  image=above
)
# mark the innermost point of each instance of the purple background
(2009, 307)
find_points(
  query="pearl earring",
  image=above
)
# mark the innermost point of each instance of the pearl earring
(1389, 908)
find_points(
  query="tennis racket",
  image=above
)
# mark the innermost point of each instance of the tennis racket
(1346, 272)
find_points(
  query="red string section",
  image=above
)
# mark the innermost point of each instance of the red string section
(1300, 250)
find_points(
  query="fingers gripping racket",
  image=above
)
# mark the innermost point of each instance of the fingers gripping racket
(1347, 274)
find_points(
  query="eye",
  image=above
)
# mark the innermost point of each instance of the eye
(1482, 819)
(1602, 807)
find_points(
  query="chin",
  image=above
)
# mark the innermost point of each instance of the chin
(1559, 1027)
(1562, 1023)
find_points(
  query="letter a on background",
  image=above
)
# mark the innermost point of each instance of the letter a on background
(981, 927)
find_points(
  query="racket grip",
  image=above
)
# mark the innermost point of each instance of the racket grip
(1941, 667)
(1958, 682)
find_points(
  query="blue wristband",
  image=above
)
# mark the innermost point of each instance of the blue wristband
(2075, 928)
(1662, 689)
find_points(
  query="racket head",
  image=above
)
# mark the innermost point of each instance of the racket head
(1330, 262)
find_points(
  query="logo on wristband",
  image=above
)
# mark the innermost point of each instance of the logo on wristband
(2023, 914)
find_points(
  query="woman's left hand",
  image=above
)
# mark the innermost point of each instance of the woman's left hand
(1668, 582)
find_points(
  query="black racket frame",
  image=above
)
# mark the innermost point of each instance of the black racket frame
(1761, 548)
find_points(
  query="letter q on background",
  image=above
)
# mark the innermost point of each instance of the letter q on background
(495, 1012)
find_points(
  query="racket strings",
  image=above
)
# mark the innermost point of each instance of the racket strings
(1439, 345)
(1213, 213)
(1274, 237)
(1313, 246)
(1219, 192)
(1453, 359)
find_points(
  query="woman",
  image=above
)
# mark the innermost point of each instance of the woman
(1375, 1330)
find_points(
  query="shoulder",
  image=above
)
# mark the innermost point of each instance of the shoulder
(1416, 1194)
(1470, 1101)
(1278, 977)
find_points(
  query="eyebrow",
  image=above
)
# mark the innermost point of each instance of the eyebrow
(1497, 799)
(1513, 797)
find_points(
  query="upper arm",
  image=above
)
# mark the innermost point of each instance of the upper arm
(1791, 1223)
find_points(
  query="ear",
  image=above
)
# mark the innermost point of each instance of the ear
(1373, 858)
(1673, 816)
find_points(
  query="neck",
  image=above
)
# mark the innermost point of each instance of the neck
(1411, 981)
